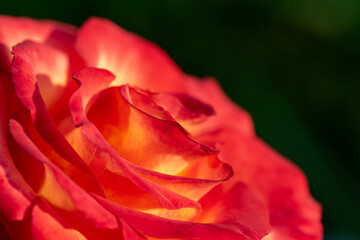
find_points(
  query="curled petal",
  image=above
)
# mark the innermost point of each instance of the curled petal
(182, 107)
(166, 198)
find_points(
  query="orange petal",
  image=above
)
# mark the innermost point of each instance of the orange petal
(90, 133)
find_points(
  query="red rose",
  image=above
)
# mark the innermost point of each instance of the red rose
(104, 137)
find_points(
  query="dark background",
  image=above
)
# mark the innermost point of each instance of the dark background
(294, 65)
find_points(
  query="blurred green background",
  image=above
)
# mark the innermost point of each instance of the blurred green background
(294, 65)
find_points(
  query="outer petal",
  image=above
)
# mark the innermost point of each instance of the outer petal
(236, 207)
(294, 214)
(30, 61)
(14, 30)
(132, 59)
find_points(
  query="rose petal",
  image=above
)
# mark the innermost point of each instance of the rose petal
(88, 78)
(30, 60)
(140, 63)
(294, 214)
(14, 30)
(43, 65)
(40, 223)
(166, 146)
(143, 133)
(182, 107)
(240, 205)
(189, 187)
(132, 59)
(4, 232)
(74, 204)
(237, 205)
(228, 114)
(15, 194)
(129, 232)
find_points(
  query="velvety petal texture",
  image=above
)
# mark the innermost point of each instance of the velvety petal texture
(102, 136)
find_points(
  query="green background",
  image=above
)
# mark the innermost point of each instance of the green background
(294, 65)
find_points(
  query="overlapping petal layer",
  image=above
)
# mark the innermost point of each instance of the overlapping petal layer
(133, 152)
(156, 134)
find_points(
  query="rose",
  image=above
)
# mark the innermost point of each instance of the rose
(135, 149)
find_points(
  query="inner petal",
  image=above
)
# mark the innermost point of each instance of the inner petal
(147, 135)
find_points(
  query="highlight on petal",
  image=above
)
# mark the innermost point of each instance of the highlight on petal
(139, 63)
(14, 30)
(294, 214)
(132, 59)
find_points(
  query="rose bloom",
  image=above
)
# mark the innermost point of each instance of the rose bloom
(104, 137)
